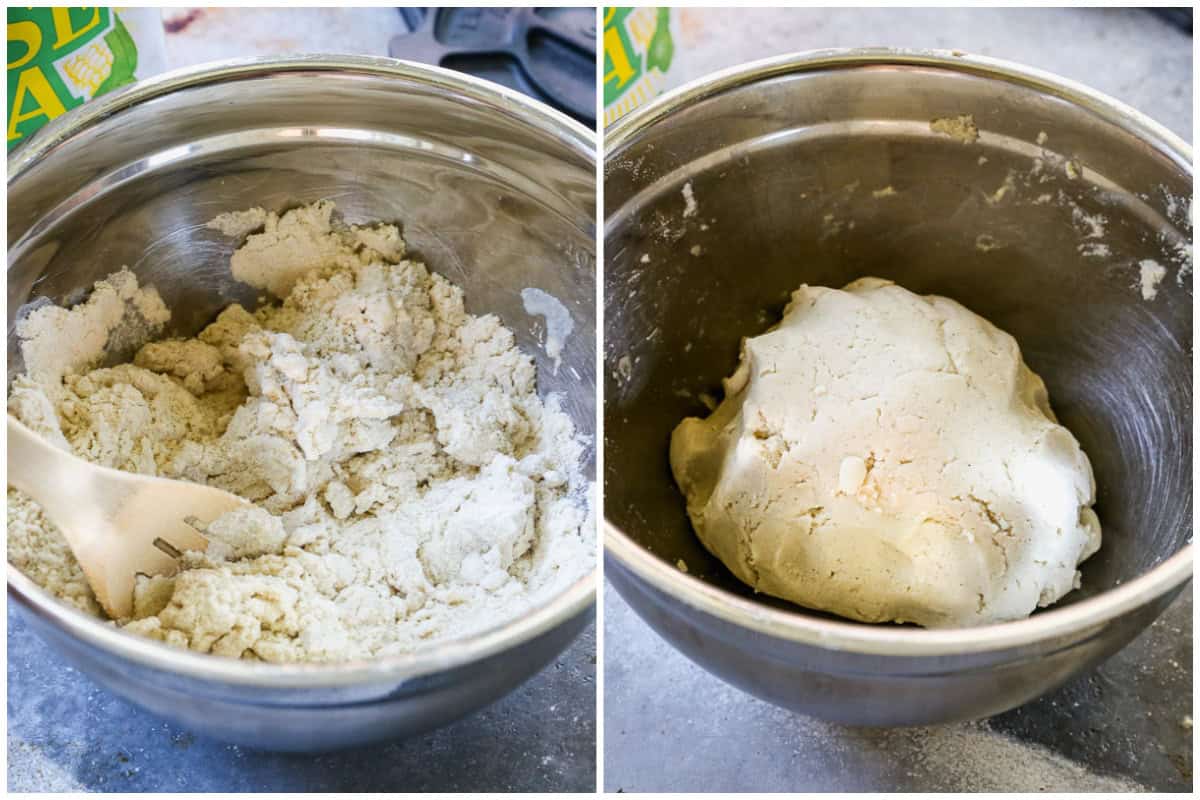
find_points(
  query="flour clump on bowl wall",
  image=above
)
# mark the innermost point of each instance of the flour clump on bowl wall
(889, 457)
(411, 486)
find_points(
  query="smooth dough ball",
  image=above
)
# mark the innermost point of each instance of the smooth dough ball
(889, 457)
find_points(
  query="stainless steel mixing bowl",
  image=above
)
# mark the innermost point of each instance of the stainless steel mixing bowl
(1039, 225)
(492, 190)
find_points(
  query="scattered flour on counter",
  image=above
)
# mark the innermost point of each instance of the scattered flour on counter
(970, 757)
(823, 756)
(558, 320)
(1151, 276)
(411, 486)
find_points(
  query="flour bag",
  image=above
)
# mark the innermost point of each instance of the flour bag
(60, 57)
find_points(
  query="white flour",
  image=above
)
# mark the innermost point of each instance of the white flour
(689, 200)
(116, 306)
(411, 485)
(558, 320)
(1150, 275)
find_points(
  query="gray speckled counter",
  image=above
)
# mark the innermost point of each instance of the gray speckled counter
(67, 734)
(670, 725)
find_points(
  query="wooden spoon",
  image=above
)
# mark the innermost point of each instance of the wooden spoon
(118, 524)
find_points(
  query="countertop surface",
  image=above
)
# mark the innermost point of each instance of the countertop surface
(670, 725)
(67, 734)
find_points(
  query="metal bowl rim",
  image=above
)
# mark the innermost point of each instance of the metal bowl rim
(538, 115)
(572, 601)
(318, 675)
(796, 626)
(1107, 107)
(885, 640)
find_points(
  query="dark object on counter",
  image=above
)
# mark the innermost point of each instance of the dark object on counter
(1179, 17)
(546, 53)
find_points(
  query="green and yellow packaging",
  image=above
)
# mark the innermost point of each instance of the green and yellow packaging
(639, 49)
(61, 57)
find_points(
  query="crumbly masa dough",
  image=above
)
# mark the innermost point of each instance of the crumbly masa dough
(410, 485)
(889, 457)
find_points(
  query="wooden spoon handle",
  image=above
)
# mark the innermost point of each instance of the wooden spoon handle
(114, 521)
(39, 469)
(57, 483)
(65, 488)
